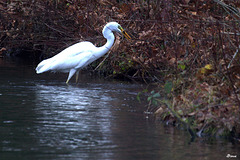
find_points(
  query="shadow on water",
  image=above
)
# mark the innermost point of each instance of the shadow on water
(43, 118)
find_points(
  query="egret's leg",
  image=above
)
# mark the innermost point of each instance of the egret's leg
(77, 74)
(71, 73)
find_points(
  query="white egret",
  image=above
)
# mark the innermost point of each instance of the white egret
(79, 55)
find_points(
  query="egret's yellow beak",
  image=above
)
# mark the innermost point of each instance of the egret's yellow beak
(125, 33)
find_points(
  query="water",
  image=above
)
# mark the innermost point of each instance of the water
(43, 118)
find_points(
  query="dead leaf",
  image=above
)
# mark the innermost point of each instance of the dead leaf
(144, 34)
(190, 38)
(159, 111)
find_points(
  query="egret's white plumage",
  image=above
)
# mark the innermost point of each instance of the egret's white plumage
(79, 55)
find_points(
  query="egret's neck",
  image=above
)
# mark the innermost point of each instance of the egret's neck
(110, 41)
(108, 34)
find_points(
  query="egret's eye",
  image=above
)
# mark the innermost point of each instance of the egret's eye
(121, 29)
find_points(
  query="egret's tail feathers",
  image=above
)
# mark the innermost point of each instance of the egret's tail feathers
(44, 66)
(40, 69)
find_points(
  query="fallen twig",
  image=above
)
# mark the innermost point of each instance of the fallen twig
(233, 57)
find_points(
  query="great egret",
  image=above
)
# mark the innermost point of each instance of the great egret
(79, 55)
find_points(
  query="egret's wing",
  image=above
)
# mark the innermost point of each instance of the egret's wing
(76, 49)
(74, 56)
(76, 61)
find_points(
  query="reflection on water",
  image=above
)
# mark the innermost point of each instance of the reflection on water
(74, 118)
(43, 118)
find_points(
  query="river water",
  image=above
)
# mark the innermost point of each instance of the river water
(43, 118)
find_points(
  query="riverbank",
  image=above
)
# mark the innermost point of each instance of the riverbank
(188, 49)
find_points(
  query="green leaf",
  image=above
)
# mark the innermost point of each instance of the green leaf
(156, 95)
(168, 87)
(138, 96)
(149, 98)
(181, 66)
(180, 112)
(154, 102)
(145, 91)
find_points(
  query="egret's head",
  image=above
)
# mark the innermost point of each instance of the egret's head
(123, 32)
(115, 27)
